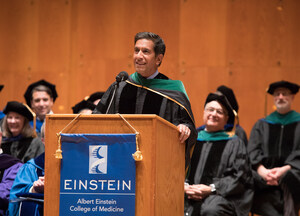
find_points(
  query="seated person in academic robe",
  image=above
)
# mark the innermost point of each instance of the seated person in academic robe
(149, 92)
(29, 182)
(219, 181)
(19, 139)
(239, 131)
(95, 97)
(84, 107)
(40, 97)
(9, 167)
(274, 152)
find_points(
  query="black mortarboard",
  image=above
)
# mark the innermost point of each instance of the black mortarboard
(230, 96)
(1, 87)
(28, 93)
(283, 84)
(14, 106)
(222, 100)
(83, 105)
(95, 96)
(228, 93)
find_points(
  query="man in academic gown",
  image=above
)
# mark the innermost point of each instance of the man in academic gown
(149, 92)
(40, 97)
(219, 180)
(95, 97)
(233, 121)
(274, 151)
(84, 107)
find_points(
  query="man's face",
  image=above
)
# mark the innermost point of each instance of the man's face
(41, 103)
(215, 116)
(15, 123)
(144, 59)
(283, 99)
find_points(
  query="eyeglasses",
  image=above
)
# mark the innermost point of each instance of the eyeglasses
(277, 94)
(219, 111)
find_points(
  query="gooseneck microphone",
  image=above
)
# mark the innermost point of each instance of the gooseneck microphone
(122, 76)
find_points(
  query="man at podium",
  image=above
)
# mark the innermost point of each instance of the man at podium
(149, 92)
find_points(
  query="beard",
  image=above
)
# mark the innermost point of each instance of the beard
(282, 106)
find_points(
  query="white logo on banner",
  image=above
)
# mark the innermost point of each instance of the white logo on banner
(98, 159)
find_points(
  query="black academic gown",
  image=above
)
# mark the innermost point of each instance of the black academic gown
(130, 99)
(23, 148)
(223, 163)
(276, 145)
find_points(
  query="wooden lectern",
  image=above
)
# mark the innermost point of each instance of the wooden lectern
(159, 176)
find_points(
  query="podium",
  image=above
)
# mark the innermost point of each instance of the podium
(159, 176)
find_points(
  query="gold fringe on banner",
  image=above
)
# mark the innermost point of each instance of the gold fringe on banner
(138, 154)
(58, 153)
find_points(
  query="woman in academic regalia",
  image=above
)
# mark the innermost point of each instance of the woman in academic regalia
(19, 139)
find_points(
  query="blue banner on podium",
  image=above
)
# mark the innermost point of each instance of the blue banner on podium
(97, 174)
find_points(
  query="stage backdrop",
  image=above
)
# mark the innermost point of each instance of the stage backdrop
(81, 45)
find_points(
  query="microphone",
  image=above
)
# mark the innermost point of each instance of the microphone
(122, 76)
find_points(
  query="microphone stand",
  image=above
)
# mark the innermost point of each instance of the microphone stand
(122, 76)
(113, 96)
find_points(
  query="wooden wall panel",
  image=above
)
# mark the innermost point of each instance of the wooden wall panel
(102, 40)
(259, 49)
(243, 44)
(81, 45)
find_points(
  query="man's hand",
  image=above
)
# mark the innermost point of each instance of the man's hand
(197, 191)
(38, 185)
(265, 174)
(276, 173)
(272, 176)
(184, 132)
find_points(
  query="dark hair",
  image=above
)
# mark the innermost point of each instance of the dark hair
(159, 44)
(42, 88)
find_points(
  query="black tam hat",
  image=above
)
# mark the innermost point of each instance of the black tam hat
(14, 106)
(83, 105)
(228, 93)
(283, 84)
(222, 100)
(28, 93)
(230, 96)
(95, 96)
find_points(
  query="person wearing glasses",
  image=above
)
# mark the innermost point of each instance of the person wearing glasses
(274, 152)
(234, 120)
(219, 181)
